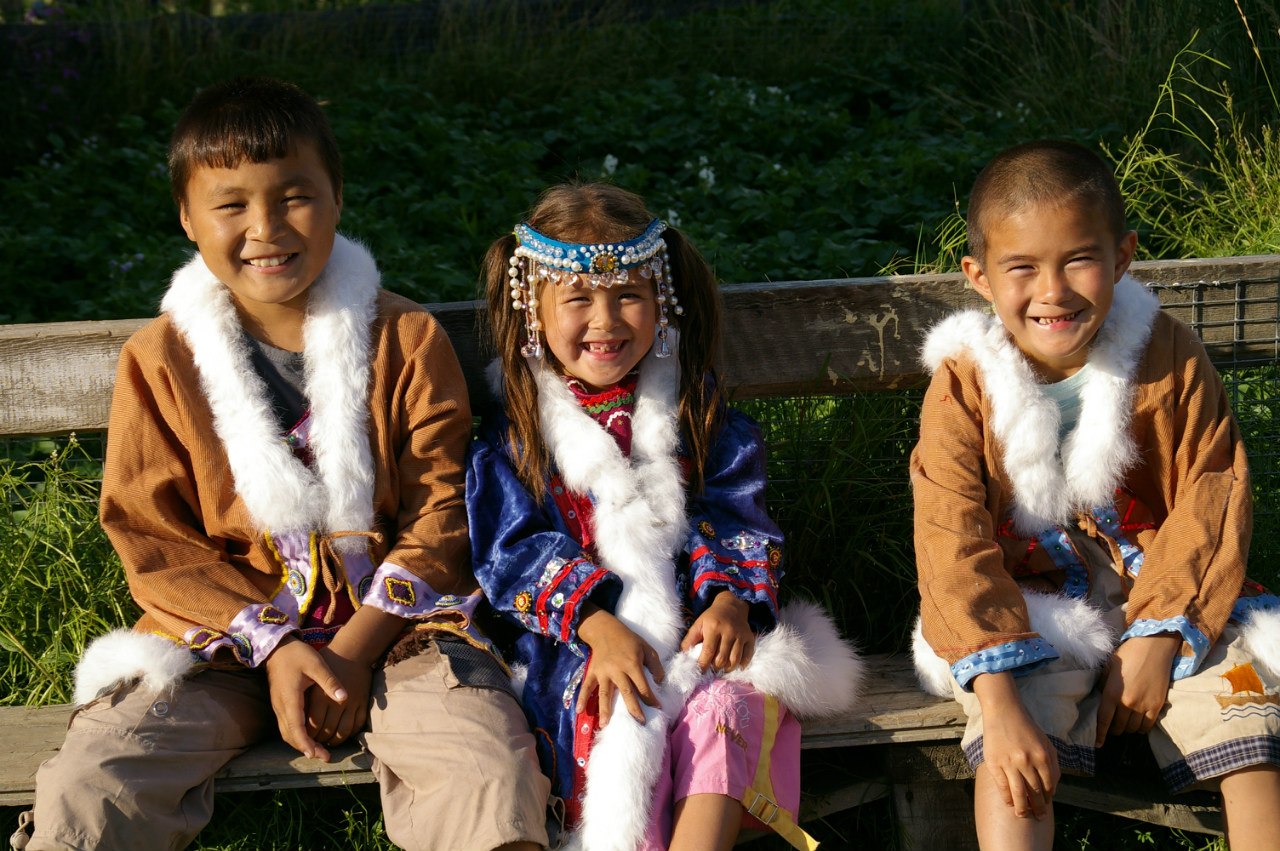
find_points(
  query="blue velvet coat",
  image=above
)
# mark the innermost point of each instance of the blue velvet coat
(536, 564)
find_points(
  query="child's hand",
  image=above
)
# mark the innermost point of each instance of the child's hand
(1022, 761)
(726, 637)
(332, 722)
(292, 668)
(618, 660)
(1137, 685)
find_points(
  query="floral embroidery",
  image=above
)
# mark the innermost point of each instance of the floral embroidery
(721, 701)
(400, 591)
(524, 601)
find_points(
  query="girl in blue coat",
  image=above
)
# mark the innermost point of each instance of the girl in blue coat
(617, 518)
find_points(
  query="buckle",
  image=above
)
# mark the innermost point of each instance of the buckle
(763, 809)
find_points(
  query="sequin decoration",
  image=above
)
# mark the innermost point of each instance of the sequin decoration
(297, 583)
(549, 572)
(524, 601)
(448, 601)
(775, 556)
(743, 542)
(706, 530)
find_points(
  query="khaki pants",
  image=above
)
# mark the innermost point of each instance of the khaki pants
(452, 752)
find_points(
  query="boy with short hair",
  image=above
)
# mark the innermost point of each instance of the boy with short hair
(1083, 513)
(284, 485)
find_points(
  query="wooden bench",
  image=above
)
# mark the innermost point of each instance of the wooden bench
(782, 339)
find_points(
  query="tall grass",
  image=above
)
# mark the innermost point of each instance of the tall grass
(62, 583)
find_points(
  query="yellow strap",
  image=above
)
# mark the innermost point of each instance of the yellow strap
(759, 799)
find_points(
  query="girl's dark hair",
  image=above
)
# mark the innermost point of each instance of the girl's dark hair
(248, 119)
(599, 212)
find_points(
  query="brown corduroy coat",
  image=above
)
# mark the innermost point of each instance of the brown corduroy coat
(1156, 450)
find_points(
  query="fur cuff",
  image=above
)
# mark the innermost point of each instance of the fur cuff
(1076, 630)
(123, 655)
(806, 664)
(1260, 636)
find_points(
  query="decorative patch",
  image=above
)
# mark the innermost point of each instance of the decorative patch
(571, 689)
(558, 601)
(524, 601)
(743, 542)
(365, 585)
(400, 591)
(706, 530)
(297, 583)
(549, 572)
(202, 638)
(1246, 695)
(241, 647)
(270, 614)
(448, 601)
(775, 555)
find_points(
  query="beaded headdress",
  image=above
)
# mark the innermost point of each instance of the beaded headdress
(538, 258)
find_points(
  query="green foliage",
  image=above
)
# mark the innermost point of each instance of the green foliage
(62, 583)
(1221, 199)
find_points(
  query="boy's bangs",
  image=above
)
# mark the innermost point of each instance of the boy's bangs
(231, 144)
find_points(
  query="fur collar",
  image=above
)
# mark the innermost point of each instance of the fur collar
(280, 492)
(640, 527)
(1049, 488)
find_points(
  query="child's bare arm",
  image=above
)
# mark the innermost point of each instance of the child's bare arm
(1022, 761)
(726, 636)
(1137, 685)
(618, 660)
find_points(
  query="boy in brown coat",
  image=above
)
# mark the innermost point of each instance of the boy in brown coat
(1083, 513)
(284, 485)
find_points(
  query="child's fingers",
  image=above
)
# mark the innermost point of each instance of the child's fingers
(631, 702)
(748, 651)
(692, 637)
(710, 649)
(654, 663)
(606, 702)
(1106, 711)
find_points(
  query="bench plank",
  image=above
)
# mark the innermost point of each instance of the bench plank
(791, 337)
(30, 735)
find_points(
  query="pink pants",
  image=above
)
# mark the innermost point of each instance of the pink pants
(728, 740)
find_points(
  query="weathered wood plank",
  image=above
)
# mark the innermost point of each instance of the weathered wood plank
(29, 736)
(780, 338)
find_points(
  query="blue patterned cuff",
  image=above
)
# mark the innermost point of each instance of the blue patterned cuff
(1183, 666)
(1021, 657)
(399, 592)
(1246, 606)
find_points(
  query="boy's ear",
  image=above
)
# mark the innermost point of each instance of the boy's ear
(977, 278)
(185, 217)
(1124, 252)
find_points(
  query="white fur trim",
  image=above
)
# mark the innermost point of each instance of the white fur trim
(1048, 489)
(1077, 631)
(1260, 637)
(805, 663)
(279, 491)
(640, 526)
(123, 655)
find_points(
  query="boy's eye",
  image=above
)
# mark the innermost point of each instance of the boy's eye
(233, 205)
(297, 199)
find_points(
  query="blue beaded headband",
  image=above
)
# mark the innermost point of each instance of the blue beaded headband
(594, 258)
(539, 259)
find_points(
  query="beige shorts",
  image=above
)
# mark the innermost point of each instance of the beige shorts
(452, 752)
(1204, 732)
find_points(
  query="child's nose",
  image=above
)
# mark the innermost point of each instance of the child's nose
(1053, 286)
(264, 223)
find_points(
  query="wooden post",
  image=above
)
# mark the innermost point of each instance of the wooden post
(932, 798)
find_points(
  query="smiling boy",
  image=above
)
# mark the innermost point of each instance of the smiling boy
(284, 485)
(1083, 514)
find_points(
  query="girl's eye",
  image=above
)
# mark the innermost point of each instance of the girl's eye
(234, 205)
(297, 199)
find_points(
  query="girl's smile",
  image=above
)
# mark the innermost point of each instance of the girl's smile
(599, 335)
